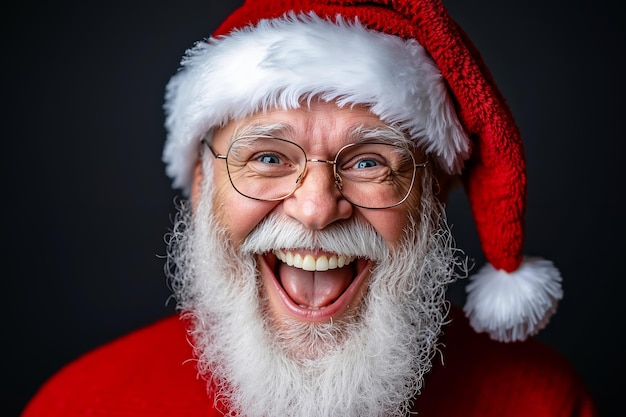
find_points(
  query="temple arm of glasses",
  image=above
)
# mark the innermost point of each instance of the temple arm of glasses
(216, 155)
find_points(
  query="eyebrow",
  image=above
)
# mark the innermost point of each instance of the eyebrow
(356, 133)
(274, 130)
(385, 133)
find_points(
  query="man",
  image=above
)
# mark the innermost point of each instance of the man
(316, 142)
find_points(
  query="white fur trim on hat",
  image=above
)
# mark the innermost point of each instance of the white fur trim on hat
(279, 62)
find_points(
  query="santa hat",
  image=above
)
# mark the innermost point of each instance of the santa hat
(414, 67)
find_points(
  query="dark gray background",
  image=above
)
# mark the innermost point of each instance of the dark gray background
(86, 201)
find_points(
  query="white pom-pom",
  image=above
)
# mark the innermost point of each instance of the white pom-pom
(512, 306)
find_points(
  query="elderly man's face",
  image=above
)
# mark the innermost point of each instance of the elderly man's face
(320, 296)
(351, 338)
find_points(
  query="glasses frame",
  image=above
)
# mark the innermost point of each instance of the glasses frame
(332, 162)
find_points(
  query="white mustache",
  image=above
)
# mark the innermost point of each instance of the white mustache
(350, 238)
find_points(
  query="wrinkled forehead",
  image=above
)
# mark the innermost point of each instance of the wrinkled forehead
(315, 122)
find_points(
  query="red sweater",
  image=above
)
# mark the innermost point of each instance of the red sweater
(149, 373)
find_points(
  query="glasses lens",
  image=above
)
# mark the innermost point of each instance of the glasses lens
(265, 168)
(375, 175)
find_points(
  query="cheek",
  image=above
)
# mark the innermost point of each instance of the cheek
(390, 223)
(238, 214)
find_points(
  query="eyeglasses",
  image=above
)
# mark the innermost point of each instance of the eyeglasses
(373, 175)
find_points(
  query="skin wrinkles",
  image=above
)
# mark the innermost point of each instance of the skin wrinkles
(321, 130)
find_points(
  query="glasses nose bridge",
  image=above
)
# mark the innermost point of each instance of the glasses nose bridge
(332, 162)
(327, 161)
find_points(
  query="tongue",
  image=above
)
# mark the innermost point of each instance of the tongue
(314, 289)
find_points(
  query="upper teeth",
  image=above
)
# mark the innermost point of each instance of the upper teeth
(310, 263)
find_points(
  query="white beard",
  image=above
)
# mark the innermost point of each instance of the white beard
(371, 364)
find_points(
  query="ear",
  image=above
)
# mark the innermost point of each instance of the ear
(196, 183)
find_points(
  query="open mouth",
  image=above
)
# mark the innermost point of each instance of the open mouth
(316, 285)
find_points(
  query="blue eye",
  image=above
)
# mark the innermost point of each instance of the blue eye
(366, 163)
(269, 159)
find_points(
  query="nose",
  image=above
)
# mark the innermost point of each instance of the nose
(317, 202)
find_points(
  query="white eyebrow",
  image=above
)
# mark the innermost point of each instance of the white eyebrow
(358, 133)
(386, 133)
(275, 130)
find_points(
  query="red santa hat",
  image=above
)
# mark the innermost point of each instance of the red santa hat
(414, 67)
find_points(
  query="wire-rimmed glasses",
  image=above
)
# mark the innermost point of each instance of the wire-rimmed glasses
(370, 174)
